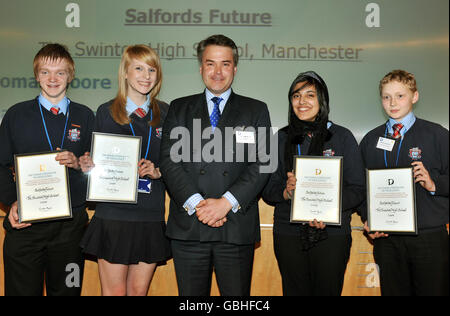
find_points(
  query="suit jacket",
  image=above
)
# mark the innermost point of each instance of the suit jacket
(239, 175)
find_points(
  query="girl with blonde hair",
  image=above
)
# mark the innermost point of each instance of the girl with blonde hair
(129, 239)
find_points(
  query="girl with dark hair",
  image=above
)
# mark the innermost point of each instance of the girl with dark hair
(313, 258)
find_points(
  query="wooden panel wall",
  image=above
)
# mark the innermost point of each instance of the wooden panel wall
(359, 279)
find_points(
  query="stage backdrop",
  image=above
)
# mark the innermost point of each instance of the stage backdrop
(352, 44)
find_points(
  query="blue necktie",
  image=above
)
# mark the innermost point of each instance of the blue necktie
(215, 115)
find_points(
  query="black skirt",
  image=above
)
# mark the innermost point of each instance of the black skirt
(122, 242)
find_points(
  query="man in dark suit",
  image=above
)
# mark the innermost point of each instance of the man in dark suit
(214, 175)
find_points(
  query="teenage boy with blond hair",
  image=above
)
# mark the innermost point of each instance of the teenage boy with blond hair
(412, 265)
(49, 250)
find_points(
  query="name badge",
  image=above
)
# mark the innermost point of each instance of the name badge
(385, 143)
(243, 137)
(145, 186)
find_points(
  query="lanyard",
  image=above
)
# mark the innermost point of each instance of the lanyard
(299, 150)
(46, 131)
(149, 134)
(398, 151)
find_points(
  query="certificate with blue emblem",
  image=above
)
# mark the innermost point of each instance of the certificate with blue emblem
(115, 175)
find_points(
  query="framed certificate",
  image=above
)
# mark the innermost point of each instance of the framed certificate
(115, 175)
(318, 193)
(391, 201)
(43, 191)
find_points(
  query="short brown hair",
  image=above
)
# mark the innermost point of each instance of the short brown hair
(218, 40)
(54, 52)
(402, 76)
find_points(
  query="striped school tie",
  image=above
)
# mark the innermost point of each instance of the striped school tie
(55, 110)
(140, 112)
(397, 128)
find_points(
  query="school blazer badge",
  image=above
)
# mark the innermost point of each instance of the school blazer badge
(415, 153)
(159, 132)
(74, 135)
(328, 153)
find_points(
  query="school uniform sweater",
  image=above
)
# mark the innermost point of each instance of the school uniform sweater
(424, 141)
(150, 207)
(22, 131)
(341, 143)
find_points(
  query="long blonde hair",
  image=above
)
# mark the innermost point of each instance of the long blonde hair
(147, 55)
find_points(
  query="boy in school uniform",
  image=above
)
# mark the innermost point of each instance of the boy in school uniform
(49, 250)
(412, 265)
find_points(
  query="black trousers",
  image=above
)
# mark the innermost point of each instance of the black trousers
(414, 265)
(318, 271)
(47, 252)
(195, 261)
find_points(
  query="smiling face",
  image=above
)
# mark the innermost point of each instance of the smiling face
(141, 78)
(398, 99)
(218, 68)
(53, 77)
(305, 102)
